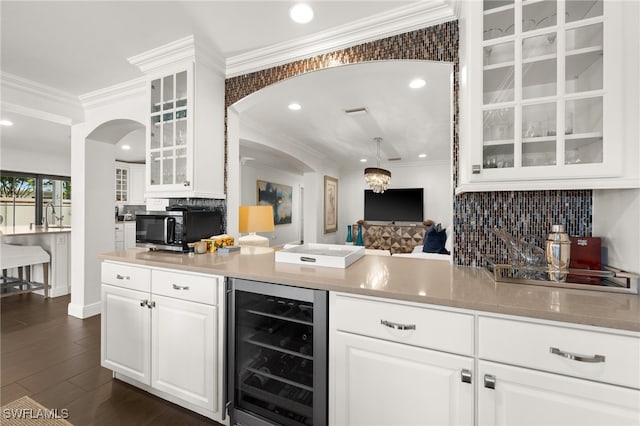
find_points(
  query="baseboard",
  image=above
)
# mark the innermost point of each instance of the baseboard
(55, 292)
(84, 311)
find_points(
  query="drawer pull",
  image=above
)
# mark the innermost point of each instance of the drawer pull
(122, 277)
(180, 287)
(398, 326)
(489, 381)
(151, 305)
(575, 357)
(307, 259)
(465, 376)
(144, 302)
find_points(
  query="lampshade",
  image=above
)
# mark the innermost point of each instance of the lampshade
(378, 179)
(256, 219)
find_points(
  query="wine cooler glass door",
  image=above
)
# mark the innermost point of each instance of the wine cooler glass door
(280, 364)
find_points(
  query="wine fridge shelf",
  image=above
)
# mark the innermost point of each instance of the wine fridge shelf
(283, 395)
(259, 339)
(296, 313)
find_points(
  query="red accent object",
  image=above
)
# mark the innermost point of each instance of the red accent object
(585, 254)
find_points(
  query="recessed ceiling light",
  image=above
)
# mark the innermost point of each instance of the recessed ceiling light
(417, 83)
(422, 155)
(126, 147)
(6, 123)
(363, 160)
(293, 106)
(301, 13)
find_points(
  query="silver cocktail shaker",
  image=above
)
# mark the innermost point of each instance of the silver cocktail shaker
(558, 250)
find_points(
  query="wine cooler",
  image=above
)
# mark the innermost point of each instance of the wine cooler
(277, 360)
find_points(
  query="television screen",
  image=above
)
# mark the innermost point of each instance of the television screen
(394, 205)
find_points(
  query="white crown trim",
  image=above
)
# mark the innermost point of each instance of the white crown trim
(38, 89)
(397, 21)
(113, 93)
(36, 113)
(184, 49)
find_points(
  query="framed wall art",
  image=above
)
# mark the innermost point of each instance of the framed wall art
(330, 204)
(277, 195)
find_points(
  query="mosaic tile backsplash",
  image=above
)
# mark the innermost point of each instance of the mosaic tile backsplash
(475, 214)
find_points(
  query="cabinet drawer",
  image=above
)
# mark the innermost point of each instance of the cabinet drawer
(128, 276)
(533, 345)
(185, 286)
(428, 328)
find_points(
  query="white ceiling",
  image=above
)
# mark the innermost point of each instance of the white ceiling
(81, 46)
(410, 121)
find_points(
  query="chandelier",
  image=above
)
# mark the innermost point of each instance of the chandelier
(378, 179)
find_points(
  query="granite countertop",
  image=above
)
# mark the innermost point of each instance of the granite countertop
(26, 230)
(415, 280)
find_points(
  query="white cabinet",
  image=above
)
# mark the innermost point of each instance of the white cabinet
(516, 396)
(161, 329)
(544, 96)
(383, 370)
(129, 240)
(185, 137)
(543, 374)
(136, 184)
(129, 183)
(386, 383)
(125, 332)
(118, 236)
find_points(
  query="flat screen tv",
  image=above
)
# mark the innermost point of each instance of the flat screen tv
(394, 205)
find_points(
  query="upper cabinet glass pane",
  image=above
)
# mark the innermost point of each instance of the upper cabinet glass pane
(499, 53)
(583, 9)
(498, 85)
(493, 4)
(536, 15)
(498, 125)
(498, 24)
(543, 45)
(589, 36)
(155, 96)
(167, 89)
(181, 86)
(539, 78)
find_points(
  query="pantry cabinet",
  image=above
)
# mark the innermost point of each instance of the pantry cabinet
(185, 137)
(160, 331)
(129, 183)
(544, 98)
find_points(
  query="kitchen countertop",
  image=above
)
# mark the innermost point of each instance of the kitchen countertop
(24, 230)
(415, 280)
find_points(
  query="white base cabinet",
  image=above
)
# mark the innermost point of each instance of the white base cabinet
(385, 383)
(529, 397)
(160, 332)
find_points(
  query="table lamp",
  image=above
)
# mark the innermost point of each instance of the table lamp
(254, 219)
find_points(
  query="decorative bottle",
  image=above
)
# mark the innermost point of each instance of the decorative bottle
(359, 241)
(349, 235)
(558, 251)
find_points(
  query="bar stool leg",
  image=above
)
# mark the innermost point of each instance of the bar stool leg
(45, 278)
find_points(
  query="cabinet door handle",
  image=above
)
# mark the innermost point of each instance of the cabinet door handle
(144, 302)
(465, 376)
(187, 183)
(180, 287)
(122, 277)
(151, 304)
(489, 381)
(398, 326)
(576, 357)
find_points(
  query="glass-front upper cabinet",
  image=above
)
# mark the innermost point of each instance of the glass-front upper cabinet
(544, 94)
(169, 130)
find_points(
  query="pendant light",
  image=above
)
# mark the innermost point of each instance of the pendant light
(378, 179)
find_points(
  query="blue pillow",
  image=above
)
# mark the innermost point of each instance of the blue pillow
(435, 239)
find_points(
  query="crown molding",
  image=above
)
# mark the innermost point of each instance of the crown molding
(36, 113)
(170, 54)
(38, 90)
(113, 93)
(397, 21)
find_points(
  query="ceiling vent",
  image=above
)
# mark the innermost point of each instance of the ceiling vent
(356, 111)
(394, 159)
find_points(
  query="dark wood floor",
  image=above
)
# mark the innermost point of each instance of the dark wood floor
(55, 359)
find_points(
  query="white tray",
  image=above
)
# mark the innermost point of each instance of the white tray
(330, 255)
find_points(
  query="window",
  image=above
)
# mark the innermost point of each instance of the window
(24, 198)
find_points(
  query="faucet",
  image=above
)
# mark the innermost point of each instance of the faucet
(46, 215)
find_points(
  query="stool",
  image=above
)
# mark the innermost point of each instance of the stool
(13, 256)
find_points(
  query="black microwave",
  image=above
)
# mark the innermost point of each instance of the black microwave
(174, 230)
